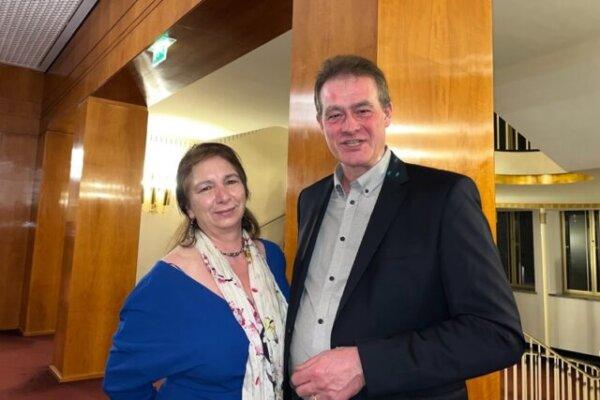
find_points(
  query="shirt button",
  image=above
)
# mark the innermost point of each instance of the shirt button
(342, 238)
(352, 202)
(320, 321)
(331, 278)
(366, 190)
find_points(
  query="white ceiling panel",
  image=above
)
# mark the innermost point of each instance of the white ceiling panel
(32, 32)
(546, 76)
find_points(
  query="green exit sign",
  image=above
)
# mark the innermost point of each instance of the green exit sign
(159, 49)
(159, 56)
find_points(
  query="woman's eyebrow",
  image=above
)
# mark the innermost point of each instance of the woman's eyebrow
(202, 182)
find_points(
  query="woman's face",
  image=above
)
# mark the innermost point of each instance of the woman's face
(217, 198)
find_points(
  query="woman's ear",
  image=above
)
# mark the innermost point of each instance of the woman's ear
(190, 214)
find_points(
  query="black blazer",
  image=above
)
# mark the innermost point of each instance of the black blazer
(427, 301)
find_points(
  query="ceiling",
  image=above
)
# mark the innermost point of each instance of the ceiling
(33, 32)
(529, 29)
(547, 76)
(247, 94)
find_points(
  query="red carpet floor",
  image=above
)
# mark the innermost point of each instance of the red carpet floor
(24, 372)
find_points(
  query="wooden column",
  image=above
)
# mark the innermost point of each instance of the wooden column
(101, 233)
(437, 56)
(42, 281)
(20, 107)
(318, 31)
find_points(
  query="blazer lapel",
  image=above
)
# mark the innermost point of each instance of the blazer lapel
(388, 203)
(315, 217)
(306, 242)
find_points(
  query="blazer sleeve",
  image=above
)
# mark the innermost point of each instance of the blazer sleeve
(146, 346)
(483, 332)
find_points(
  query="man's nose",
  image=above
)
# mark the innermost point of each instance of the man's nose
(350, 123)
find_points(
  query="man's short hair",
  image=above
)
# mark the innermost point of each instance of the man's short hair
(351, 65)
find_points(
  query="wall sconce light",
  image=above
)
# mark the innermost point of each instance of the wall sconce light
(163, 154)
(155, 199)
(157, 190)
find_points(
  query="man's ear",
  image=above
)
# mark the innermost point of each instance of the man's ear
(387, 110)
(319, 120)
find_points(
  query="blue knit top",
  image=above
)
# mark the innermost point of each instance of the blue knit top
(173, 327)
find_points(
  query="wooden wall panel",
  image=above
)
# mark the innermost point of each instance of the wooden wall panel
(112, 35)
(17, 166)
(20, 88)
(123, 87)
(210, 37)
(437, 56)
(42, 283)
(20, 100)
(20, 104)
(31, 232)
(318, 32)
(441, 86)
(101, 234)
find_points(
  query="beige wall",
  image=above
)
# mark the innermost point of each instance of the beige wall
(264, 156)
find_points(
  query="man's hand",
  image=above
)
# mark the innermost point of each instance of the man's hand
(331, 375)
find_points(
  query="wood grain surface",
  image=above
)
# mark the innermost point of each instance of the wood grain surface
(20, 105)
(101, 233)
(42, 284)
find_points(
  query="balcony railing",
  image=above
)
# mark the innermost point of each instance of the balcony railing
(543, 374)
(507, 138)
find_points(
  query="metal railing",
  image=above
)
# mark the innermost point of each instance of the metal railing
(507, 138)
(542, 374)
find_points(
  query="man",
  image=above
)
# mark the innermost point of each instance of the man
(398, 291)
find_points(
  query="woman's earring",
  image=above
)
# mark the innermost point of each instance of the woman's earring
(191, 228)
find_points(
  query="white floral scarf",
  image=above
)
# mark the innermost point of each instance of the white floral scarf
(264, 372)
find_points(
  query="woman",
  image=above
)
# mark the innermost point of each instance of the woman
(208, 320)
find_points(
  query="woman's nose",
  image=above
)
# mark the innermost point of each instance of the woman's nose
(221, 193)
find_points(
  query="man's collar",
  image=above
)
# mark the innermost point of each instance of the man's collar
(368, 181)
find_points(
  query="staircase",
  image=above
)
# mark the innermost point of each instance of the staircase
(543, 374)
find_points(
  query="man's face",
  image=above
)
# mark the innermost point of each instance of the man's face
(354, 122)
